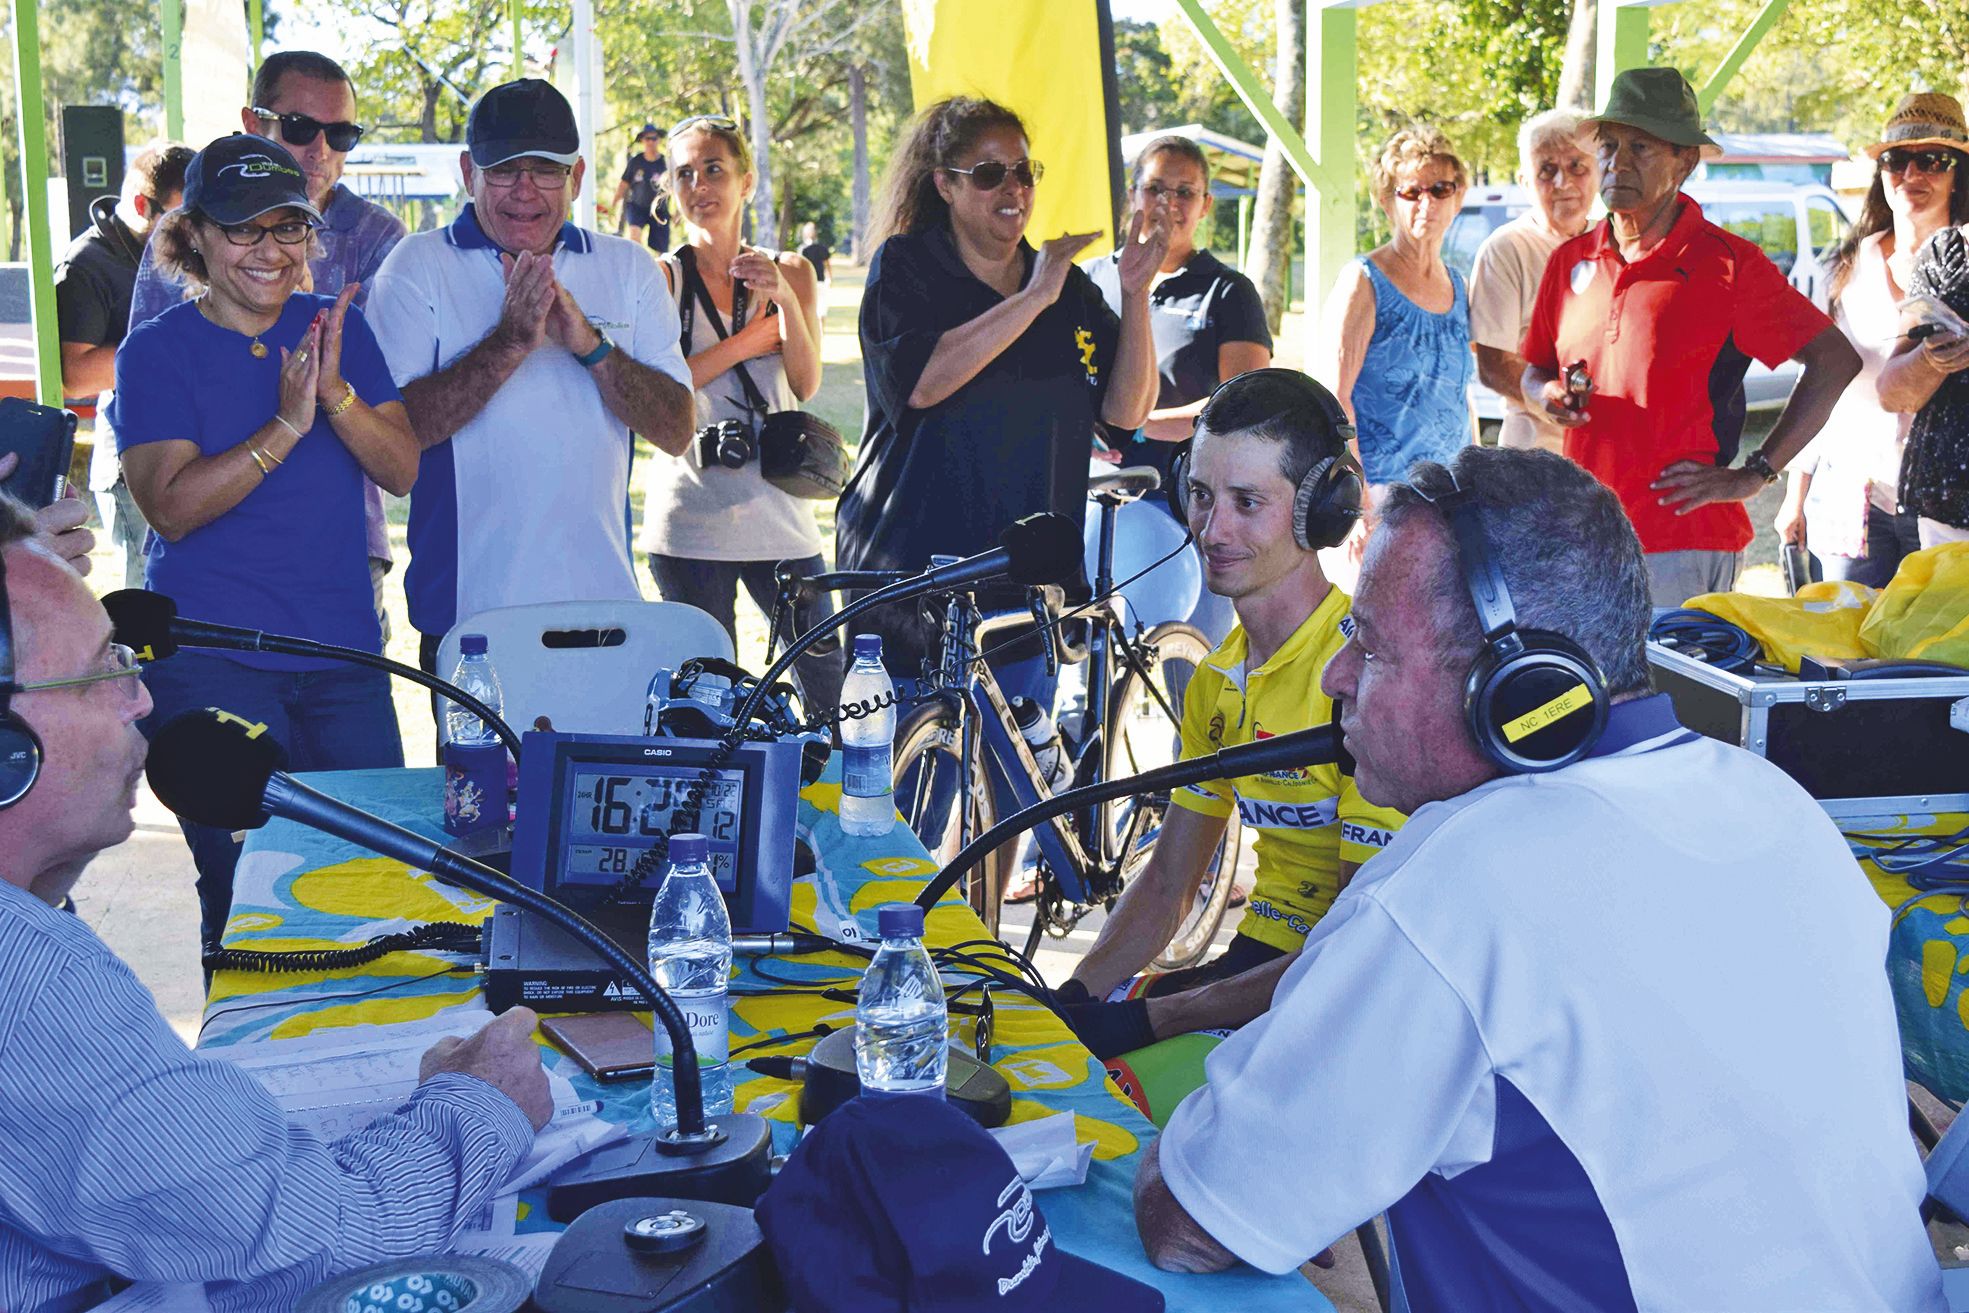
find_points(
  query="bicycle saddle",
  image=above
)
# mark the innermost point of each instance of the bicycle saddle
(1119, 487)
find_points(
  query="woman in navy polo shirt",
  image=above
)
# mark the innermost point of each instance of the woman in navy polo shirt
(988, 364)
(1207, 318)
(246, 419)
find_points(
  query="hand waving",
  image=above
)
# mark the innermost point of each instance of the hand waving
(1142, 256)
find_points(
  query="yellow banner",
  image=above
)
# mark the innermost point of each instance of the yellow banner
(1046, 61)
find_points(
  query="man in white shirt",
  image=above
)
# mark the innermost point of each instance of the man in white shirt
(1613, 1035)
(1562, 177)
(529, 352)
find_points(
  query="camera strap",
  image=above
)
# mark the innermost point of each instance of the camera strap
(695, 292)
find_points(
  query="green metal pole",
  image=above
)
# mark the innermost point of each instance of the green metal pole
(1623, 44)
(34, 176)
(256, 13)
(1766, 19)
(519, 55)
(174, 49)
(1332, 100)
(1250, 90)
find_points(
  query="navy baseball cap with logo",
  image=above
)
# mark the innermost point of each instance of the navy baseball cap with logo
(527, 117)
(241, 177)
(902, 1203)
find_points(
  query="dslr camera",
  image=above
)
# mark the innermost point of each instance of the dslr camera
(729, 443)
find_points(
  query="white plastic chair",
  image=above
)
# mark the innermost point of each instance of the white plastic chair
(585, 689)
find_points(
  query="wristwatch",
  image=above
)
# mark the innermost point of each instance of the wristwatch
(604, 346)
(1756, 463)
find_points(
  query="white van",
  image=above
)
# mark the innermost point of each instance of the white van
(1796, 224)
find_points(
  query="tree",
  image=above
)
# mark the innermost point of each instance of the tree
(781, 37)
(1278, 185)
(1582, 46)
(1145, 78)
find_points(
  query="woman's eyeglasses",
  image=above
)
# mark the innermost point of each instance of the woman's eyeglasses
(1155, 191)
(1442, 191)
(290, 233)
(990, 175)
(1922, 161)
(299, 130)
(547, 177)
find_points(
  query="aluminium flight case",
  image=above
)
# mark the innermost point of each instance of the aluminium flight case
(1862, 747)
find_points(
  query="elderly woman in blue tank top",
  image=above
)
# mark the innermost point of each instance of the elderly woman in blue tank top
(1397, 324)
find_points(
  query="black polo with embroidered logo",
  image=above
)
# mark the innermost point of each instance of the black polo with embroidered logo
(1013, 440)
(1192, 312)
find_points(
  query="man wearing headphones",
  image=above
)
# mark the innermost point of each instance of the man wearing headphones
(1267, 484)
(1585, 1035)
(122, 1155)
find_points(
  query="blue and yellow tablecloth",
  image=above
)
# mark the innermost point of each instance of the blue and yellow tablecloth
(296, 888)
(1927, 954)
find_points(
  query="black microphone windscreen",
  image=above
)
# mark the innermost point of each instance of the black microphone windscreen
(1042, 549)
(143, 622)
(212, 767)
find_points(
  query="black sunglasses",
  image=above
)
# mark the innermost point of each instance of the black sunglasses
(990, 175)
(299, 130)
(1927, 161)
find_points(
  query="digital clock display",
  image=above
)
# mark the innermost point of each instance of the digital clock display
(616, 813)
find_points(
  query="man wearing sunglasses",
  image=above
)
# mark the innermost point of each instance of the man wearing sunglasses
(128, 1157)
(529, 351)
(1665, 310)
(305, 101)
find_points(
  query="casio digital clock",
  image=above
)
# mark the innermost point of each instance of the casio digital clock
(592, 805)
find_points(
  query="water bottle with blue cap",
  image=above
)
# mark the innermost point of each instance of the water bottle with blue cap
(902, 1025)
(690, 954)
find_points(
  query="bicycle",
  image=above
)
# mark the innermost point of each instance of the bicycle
(1136, 678)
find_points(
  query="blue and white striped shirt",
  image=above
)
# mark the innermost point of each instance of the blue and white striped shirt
(124, 1154)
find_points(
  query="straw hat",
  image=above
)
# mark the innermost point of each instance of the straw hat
(1658, 101)
(1926, 118)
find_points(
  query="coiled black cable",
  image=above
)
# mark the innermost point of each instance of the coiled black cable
(433, 937)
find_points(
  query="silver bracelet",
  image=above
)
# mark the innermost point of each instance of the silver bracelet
(289, 427)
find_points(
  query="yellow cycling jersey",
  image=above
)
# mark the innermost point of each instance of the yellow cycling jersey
(1307, 820)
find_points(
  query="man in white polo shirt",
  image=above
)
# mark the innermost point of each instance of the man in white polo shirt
(528, 351)
(1611, 1035)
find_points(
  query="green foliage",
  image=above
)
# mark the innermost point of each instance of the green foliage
(1145, 76)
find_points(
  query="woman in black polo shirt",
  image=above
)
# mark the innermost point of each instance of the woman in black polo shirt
(988, 364)
(1206, 317)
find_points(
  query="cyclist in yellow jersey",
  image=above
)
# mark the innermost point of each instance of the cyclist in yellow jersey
(1262, 438)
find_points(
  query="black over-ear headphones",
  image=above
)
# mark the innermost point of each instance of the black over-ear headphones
(20, 750)
(1535, 700)
(1328, 502)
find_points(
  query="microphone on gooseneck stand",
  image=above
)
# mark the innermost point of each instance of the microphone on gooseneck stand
(1318, 746)
(149, 624)
(219, 769)
(1038, 549)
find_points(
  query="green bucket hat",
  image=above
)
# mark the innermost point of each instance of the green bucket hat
(1658, 101)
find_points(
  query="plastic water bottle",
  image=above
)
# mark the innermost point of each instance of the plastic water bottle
(868, 743)
(902, 1025)
(1043, 737)
(690, 954)
(473, 674)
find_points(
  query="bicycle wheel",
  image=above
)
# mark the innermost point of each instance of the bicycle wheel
(1145, 730)
(928, 791)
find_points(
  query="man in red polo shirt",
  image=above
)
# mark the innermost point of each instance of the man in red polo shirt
(1665, 311)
